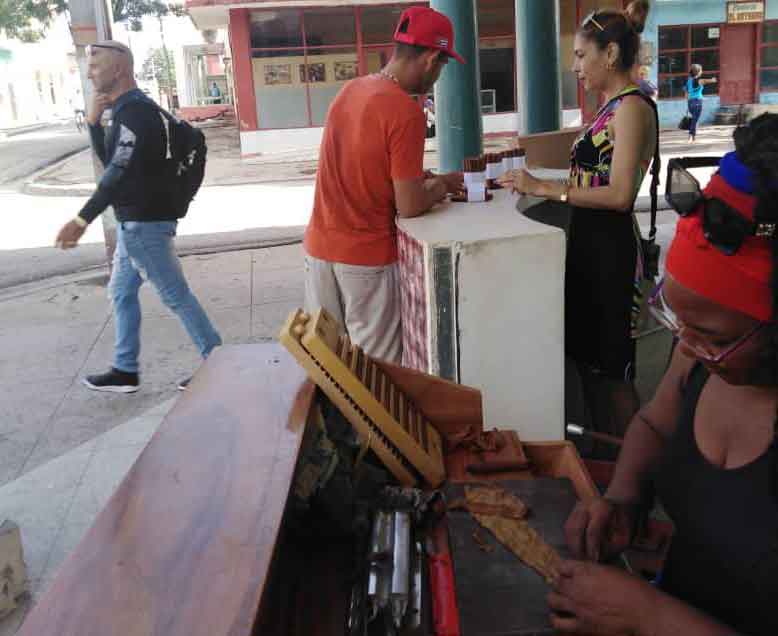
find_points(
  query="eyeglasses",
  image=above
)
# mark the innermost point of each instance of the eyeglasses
(592, 17)
(724, 227)
(659, 308)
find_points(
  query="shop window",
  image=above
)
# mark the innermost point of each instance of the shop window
(768, 67)
(679, 48)
(300, 63)
(379, 23)
(276, 30)
(329, 27)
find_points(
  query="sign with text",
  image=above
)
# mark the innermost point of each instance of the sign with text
(743, 12)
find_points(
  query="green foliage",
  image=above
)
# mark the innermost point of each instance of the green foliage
(156, 67)
(133, 11)
(27, 20)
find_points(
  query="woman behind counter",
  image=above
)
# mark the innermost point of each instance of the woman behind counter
(709, 438)
(693, 90)
(608, 162)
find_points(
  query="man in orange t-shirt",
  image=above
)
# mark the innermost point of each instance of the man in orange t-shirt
(370, 170)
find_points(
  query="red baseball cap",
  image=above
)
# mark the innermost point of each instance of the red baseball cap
(426, 27)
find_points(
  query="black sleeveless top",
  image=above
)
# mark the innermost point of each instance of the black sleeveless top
(723, 558)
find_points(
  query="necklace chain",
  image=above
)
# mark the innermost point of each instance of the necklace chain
(389, 76)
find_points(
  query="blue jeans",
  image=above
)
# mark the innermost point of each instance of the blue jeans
(145, 251)
(695, 110)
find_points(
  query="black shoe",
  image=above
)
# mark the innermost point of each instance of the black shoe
(184, 384)
(114, 381)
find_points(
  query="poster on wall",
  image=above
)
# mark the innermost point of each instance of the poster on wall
(345, 71)
(742, 12)
(278, 74)
(316, 73)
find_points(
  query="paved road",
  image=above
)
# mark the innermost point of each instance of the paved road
(219, 216)
(22, 155)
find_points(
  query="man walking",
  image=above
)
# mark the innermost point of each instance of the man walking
(133, 155)
(370, 169)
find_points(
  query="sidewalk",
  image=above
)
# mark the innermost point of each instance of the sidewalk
(63, 448)
(74, 176)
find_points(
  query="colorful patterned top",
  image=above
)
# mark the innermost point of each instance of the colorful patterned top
(590, 167)
(592, 153)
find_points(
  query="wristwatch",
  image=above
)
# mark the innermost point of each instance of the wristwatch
(563, 196)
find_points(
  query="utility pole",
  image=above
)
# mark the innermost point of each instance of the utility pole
(90, 23)
(168, 71)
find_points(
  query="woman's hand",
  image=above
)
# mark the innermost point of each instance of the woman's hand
(520, 181)
(523, 182)
(596, 599)
(599, 528)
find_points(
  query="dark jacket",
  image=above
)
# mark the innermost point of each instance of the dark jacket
(133, 152)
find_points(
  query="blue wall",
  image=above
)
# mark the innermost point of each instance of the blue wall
(664, 12)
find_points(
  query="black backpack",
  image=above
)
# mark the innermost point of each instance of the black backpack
(184, 161)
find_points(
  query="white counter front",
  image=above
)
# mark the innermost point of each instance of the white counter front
(482, 300)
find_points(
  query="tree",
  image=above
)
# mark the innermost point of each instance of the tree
(160, 67)
(132, 12)
(27, 20)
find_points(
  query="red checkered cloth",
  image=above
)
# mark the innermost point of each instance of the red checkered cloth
(413, 304)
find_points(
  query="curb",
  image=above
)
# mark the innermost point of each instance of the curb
(192, 246)
(29, 186)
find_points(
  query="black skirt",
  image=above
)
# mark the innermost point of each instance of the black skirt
(600, 291)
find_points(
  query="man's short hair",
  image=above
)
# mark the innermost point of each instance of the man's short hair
(116, 47)
(409, 51)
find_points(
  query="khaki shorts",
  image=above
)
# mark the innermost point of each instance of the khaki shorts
(366, 300)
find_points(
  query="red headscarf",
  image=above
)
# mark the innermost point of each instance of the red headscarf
(741, 281)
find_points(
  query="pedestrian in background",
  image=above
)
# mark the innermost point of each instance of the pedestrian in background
(141, 196)
(694, 88)
(371, 168)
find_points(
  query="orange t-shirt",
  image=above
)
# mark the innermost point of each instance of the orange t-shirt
(374, 133)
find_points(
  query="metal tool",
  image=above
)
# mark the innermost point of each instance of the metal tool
(401, 570)
(414, 618)
(574, 429)
(379, 578)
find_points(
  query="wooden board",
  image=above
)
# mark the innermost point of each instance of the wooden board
(317, 344)
(183, 548)
(496, 593)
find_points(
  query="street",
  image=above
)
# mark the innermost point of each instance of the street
(25, 154)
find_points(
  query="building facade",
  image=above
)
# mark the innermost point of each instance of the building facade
(290, 58)
(735, 42)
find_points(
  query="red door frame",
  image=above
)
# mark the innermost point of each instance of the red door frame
(752, 68)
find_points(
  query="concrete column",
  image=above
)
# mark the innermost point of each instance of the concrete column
(537, 65)
(243, 72)
(458, 91)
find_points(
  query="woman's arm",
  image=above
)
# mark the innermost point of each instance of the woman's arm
(589, 598)
(650, 428)
(712, 80)
(634, 132)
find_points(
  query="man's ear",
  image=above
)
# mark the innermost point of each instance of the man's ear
(432, 58)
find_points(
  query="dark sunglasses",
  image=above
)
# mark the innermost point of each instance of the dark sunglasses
(724, 227)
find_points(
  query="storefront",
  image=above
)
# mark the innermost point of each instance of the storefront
(734, 42)
(291, 58)
(291, 61)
